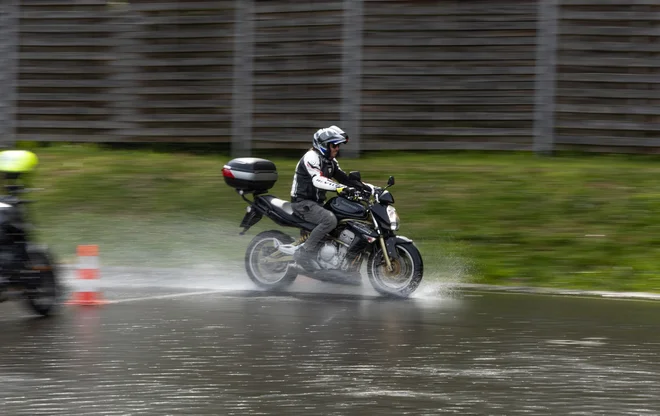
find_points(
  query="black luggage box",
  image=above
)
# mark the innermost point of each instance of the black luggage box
(250, 174)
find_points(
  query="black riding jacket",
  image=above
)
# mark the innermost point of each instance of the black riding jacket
(313, 176)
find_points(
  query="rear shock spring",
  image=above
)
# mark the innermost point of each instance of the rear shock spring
(304, 235)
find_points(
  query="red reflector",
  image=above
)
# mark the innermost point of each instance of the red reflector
(227, 173)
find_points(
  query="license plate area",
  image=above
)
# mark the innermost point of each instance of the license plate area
(252, 216)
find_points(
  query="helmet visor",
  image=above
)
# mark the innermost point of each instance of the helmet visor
(340, 140)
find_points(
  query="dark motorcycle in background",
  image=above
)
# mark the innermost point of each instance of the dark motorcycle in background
(27, 270)
(366, 232)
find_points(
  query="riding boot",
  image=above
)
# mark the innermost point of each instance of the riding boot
(306, 259)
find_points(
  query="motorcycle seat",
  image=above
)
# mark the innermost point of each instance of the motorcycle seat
(282, 205)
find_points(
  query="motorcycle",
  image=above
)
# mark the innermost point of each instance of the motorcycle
(27, 270)
(366, 232)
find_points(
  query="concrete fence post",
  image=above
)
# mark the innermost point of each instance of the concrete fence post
(351, 85)
(242, 105)
(545, 85)
(9, 37)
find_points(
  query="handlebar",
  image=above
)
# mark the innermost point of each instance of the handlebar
(367, 192)
(363, 194)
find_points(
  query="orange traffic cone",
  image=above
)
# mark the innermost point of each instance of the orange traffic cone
(88, 275)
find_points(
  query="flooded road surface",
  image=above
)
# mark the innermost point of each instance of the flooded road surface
(163, 350)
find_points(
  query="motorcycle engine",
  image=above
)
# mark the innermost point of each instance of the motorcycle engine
(332, 254)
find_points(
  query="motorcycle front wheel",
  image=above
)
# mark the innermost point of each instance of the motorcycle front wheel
(405, 276)
(265, 265)
(43, 293)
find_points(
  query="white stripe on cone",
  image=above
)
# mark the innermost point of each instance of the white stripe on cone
(87, 285)
(88, 262)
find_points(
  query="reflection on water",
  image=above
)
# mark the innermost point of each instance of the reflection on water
(310, 354)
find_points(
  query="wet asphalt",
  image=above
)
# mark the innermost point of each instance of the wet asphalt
(211, 344)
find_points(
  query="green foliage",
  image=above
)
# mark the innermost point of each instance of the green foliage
(574, 221)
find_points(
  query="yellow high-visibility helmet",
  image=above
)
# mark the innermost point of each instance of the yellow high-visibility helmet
(17, 161)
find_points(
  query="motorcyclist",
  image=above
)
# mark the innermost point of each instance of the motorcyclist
(312, 179)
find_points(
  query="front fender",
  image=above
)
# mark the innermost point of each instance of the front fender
(390, 245)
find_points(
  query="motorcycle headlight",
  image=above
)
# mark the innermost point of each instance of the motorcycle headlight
(393, 217)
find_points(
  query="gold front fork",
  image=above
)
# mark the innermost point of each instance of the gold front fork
(387, 257)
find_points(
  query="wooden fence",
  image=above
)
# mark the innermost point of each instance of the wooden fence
(396, 74)
(608, 78)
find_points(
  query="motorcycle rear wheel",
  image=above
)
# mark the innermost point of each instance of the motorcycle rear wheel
(262, 265)
(405, 276)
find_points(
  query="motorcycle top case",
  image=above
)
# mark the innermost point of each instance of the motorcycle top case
(250, 174)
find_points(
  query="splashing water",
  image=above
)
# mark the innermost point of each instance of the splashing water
(203, 253)
(444, 276)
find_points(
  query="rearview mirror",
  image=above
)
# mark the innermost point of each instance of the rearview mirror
(390, 181)
(355, 176)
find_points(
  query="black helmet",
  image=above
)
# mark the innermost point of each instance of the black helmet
(328, 135)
